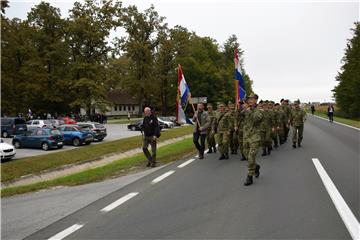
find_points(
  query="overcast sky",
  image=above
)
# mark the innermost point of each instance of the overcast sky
(293, 49)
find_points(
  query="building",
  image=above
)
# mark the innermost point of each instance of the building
(121, 103)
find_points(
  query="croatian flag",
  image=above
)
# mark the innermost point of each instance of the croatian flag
(239, 81)
(182, 98)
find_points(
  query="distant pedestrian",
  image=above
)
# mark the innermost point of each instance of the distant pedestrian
(312, 109)
(151, 131)
(128, 115)
(202, 122)
(330, 111)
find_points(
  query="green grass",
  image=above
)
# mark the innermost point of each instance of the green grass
(14, 169)
(120, 167)
(351, 122)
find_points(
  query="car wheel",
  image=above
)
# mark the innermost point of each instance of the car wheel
(60, 146)
(17, 144)
(45, 146)
(76, 141)
(5, 134)
(133, 128)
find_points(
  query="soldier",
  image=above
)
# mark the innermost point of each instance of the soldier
(211, 130)
(233, 138)
(298, 117)
(239, 123)
(287, 110)
(281, 122)
(222, 123)
(265, 129)
(202, 122)
(252, 137)
(274, 124)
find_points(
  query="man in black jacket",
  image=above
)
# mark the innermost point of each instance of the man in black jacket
(151, 131)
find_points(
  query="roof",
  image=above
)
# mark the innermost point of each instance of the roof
(121, 97)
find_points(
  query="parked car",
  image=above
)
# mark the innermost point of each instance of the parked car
(136, 126)
(44, 138)
(167, 124)
(12, 126)
(38, 123)
(7, 151)
(171, 119)
(97, 130)
(56, 123)
(75, 135)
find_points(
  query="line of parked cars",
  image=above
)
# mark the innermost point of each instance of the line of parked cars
(164, 122)
(47, 134)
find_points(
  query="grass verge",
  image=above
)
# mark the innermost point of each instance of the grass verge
(351, 122)
(14, 169)
(121, 167)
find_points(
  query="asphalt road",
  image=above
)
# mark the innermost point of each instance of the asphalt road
(206, 198)
(114, 131)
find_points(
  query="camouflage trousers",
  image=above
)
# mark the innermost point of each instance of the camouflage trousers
(241, 141)
(266, 138)
(210, 139)
(250, 151)
(281, 134)
(297, 133)
(233, 141)
(223, 141)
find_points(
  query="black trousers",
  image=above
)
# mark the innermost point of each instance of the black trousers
(331, 116)
(152, 142)
(200, 147)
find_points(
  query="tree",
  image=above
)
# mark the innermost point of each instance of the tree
(139, 48)
(347, 92)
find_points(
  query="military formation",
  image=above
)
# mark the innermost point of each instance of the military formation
(251, 125)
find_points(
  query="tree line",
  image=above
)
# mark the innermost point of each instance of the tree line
(347, 92)
(56, 64)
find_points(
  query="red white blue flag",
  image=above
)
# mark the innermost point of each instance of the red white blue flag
(240, 92)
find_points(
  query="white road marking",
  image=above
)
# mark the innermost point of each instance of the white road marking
(347, 216)
(118, 202)
(66, 232)
(162, 177)
(342, 124)
(186, 163)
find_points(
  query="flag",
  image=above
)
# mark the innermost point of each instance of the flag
(182, 98)
(240, 92)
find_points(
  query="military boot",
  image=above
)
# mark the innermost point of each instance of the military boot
(269, 150)
(257, 170)
(214, 149)
(243, 158)
(294, 145)
(299, 144)
(249, 181)
(226, 156)
(210, 150)
(222, 157)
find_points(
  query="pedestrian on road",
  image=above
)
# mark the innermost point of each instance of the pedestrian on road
(330, 111)
(222, 129)
(252, 136)
(298, 117)
(151, 131)
(312, 109)
(211, 131)
(202, 123)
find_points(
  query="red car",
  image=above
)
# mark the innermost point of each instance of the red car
(68, 120)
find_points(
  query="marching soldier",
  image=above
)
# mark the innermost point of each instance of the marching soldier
(266, 127)
(298, 117)
(211, 130)
(239, 123)
(202, 122)
(252, 137)
(233, 141)
(222, 123)
(287, 110)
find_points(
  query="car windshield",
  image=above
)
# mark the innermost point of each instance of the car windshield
(55, 132)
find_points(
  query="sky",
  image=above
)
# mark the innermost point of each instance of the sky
(292, 49)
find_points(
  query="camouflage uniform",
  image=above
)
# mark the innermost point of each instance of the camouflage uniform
(287, 110)
(239, 123)
(233, 139)
(265, 128)
(211, 132)
(222, 129)
(252, 137)
(297, 122)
